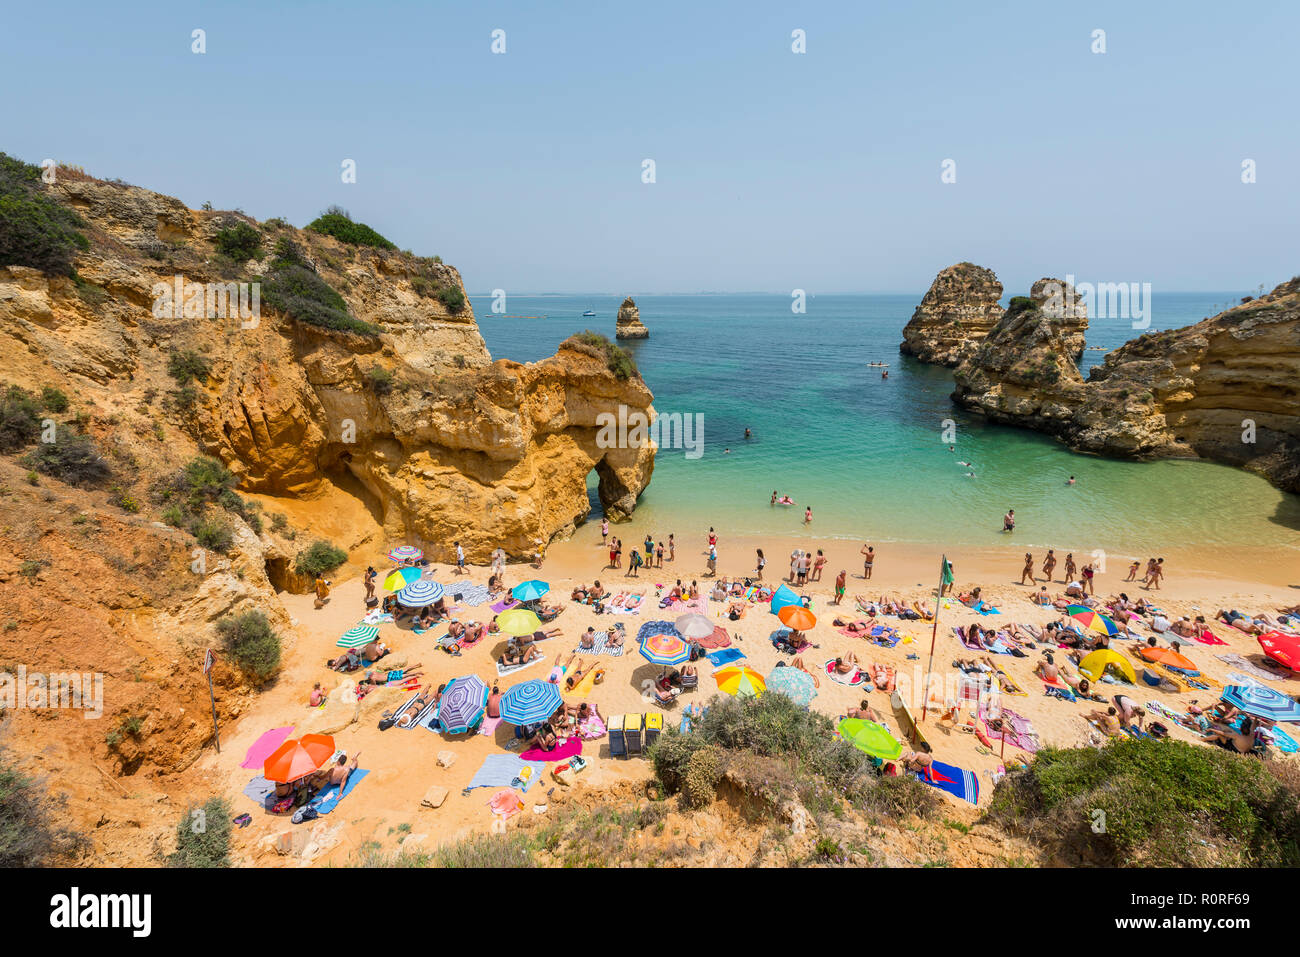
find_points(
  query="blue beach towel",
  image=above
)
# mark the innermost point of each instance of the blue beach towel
(499, 770)
(329, 798)
(954, 780)
(725, 656)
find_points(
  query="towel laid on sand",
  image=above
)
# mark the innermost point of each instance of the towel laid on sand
(1208, 637)
(954, 780)
(265, 746)
(601, 647)
(504, 670)
(261, 791)
(505, 804)
(1246, 665)
(561, 752)
(470, 594)
(853, 680)
(501, 606)
(719, 639)
(489, 726)
(329, 798)
(498, 770)
(724, 657)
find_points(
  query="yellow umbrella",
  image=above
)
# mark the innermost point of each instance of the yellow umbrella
(518, 621)
(740, 680)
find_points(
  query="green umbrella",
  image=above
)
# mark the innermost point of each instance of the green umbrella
(358, 635)
(870, 738)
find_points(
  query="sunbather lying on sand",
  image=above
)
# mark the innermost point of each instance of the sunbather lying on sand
(518, 653)
(405, 716)
(883, 676)
(1106, 720)
(864, 711)
(350, 660)
(374, 651)
(857, 627)
(337, 774)
(918, 761)
(847, 664)
(383, 677)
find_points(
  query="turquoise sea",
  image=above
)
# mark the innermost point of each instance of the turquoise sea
(867, 453)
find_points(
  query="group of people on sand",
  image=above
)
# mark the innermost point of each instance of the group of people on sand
(1079, 582)
(652, 554)
(1155, 571)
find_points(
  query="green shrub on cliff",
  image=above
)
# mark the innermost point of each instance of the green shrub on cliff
(29, 834)
(20, 419)
(298, 292)
(337, 222)
(321, 556)
(203, 835)
(252, 644)
(594, 344)
(240, 242)
(35, 230)
(70, 458)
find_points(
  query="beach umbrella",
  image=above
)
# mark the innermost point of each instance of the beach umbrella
(795, 684)
(783, 596)
(530, 701)
(870, 738)
(298, 757)
(530, 590)
(797, 617)
(1170, 659)
(1094, 665)
(1262, 701)
(462, 704)
(1284, 649)
(518, 622)
(358, 635)
(405, 553)
(694, 626)
(420, 593)
(664, 649)
(1093, 621)
(399, 579)
(657, 628)
(740, 680)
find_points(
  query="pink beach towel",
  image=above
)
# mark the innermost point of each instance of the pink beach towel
(489, 725)
(1208, 637)
(566, 750)
(505, 804)
(264, 746)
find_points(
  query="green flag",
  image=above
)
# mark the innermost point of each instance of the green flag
(945, 573)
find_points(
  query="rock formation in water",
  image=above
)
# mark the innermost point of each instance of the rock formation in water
(957, 312)
(1226, 388)
(629, 325)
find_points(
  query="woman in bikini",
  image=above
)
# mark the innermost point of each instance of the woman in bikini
(1028, 570)
(857, 627)
(847, 664)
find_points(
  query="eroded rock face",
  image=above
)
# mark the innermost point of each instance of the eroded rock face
(959, 310)
(629, 325)
(1226, 388)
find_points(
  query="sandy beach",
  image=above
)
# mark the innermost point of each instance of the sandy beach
(384, 810)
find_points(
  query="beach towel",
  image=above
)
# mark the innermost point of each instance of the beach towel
(1208, 637)
(720, 658)
(584, 685)
(426, 717)
(501, 606)
(853, 680)
(1280, 740)
(265, 746)
(593, 729)
(378, 618)
(1062, 691)
(954, 780)
(884, 636)
(1246, 665)
(561, 752)
(847, 633)
(505, 804)
(261, 791)
(489, 726)
(1020, 733)
(600, 646)
(498, 770)
(1009, 686)
(471, 594)
(329, 798)
(503, 670)
(719, 639)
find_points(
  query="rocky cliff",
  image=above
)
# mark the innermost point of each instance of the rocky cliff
(958, 311)
(1226, 388)
(629, 325)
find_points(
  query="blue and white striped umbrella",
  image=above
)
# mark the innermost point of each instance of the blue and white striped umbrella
(1262, 701)
(462, 704)
(796, 685)
(530, 701)
(358, 635)
(420, 593)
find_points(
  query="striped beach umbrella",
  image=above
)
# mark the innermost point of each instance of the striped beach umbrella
(665, 649)
(694, 626)
(1090, 620)
(530, 701)
(399, 579)
(869, 738)
(518, 622)
(740, 680)
(1262, 701)
(797, 617)
(1284, 649)
(796, 685)
(530, 590)
(462, 704)
(358, 635)
(405, 553)
(420, 593)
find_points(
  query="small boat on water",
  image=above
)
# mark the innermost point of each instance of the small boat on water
(588, 314)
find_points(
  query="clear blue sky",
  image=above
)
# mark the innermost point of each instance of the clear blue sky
(775, 170)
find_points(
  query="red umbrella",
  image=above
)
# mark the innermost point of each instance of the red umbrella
(1281, 648)
(298, 757)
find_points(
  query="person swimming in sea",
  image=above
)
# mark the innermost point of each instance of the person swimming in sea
(748, 434)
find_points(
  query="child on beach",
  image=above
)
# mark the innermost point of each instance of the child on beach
(761, 562)
(1133, 571)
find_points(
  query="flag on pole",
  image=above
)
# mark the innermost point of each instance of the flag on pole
(945, 573)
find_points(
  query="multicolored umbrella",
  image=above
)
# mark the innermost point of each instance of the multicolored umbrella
(1262, 701)
(1284, 649)
(795, 684)
(420, 593)
(797, 617)
(462, 704)
(664, 649)
(518, 622)
(1090, 620)
(405, 553)
(740, 680)
(657, 627)
(399, 579)
(783, 596)
(530, 701)
(530, 590)
(358, 635)
(694, 626)
(869, 738)
(298, 757)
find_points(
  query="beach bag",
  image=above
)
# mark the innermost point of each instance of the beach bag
(304, 814)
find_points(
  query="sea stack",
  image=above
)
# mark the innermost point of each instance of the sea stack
(960, 309)
(629, 322)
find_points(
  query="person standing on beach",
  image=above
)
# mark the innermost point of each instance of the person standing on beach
(604, 530)
(1133, 572)
(649, 548)
(1009, 520)
(499, 562)
(713, 537)
(618, 553)
(672, 549)
(460, 560)
(633, 562)
(761, 562)
(713, 560)
(1049, 565)
(807, 515)
(370, 582)
(1070, 567)
(1146, 575)
(868, 560)
(1028, 570)
(804, 559)
(612, 553)
(659, 554)
(1088, 572)
(818, 565)
(1157, 572)
(794, 566)
(840, 583)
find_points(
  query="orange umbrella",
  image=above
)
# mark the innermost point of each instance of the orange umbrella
(1170, 658)
(298, 757)
(797, 617)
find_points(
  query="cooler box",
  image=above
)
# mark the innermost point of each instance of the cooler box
(617, 742)
(632, 732)
(654, 723)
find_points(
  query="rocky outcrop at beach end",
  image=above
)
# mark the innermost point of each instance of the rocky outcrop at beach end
(629, 324)
(959, 310)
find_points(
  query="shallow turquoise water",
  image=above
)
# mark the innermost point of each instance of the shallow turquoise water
(866, 453)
